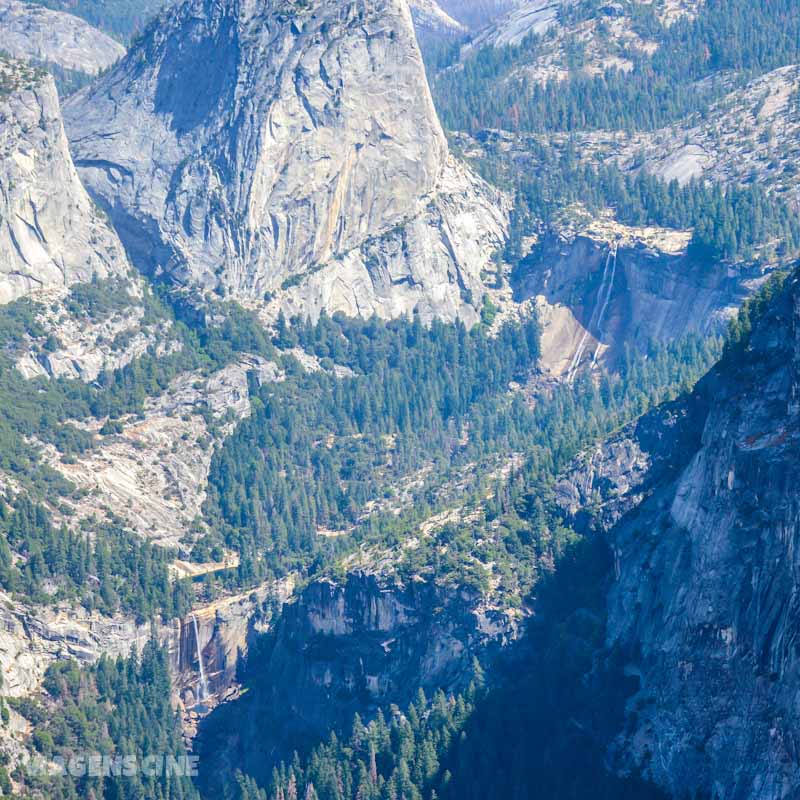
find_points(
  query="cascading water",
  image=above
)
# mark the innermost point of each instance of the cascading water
(606, 287)
(601, 317)
(203, 690)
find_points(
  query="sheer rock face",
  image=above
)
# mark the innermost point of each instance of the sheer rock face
(610, 287)
(32, 638)
(33, 32)
(254, 148)
(705, 601)
(50, 232)
(338, 649)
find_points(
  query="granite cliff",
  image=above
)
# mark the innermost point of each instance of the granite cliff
(603, 289)
(699, 504)
(306, 169)
(341, 648)
(51, 234)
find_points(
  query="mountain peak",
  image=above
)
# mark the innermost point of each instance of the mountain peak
(31, 31)
(259, 144)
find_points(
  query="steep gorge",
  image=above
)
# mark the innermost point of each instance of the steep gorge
(342, 648)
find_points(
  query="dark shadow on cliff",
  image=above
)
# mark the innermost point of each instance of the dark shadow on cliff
(341, 649)
(251, 733)
(559, 702)
(542, 732)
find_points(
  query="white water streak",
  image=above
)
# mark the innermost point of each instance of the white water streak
(606, 287)
(602, 316)
(203, 694)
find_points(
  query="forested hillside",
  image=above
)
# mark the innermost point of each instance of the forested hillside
(332, 407)
(696, 58)
(119, 708)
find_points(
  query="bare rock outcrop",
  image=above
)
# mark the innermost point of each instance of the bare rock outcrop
(289, 152)
(51, 234)
(534, 17)
(475, 14)
(431, 20)
(31, 31)
(31, 639)
(154, 473)
(74, 344)
(706, 600)
(750, 134)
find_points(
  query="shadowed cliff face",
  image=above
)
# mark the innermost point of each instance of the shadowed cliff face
(707, 574)
(338, 650)
(282, 152)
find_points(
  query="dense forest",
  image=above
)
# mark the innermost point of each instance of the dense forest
(736, 38)
(120, 708)
(322, 450)
(117, 570)
(273, 485)
(733, 223)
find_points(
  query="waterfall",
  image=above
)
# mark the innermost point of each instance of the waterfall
(601, 317)
(203, 693)
(606, 287)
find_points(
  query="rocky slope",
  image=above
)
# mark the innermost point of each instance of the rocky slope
(33, 638)
(73, 346)
(431, 20)
(308, 167)
(51, 234)
(455, 19)
(605, 33)
(749, 135)
(476, 14)
(154, 473)
(32, 32)
(525, 19)
(704, 601)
